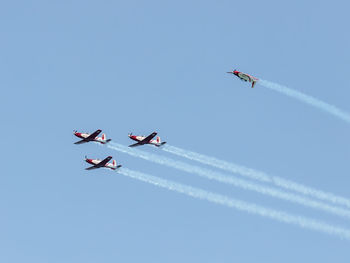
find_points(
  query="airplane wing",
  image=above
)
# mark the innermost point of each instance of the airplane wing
(149, 137)
(243, 76)
(80, 142)
(103, 162)
(93, 135)
(91, 168)
(145, 140)
(135, 144)
(100, 164)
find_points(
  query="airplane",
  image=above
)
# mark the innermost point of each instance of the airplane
(87, 137)
(141, 140)
(244, 77)
(102, 163)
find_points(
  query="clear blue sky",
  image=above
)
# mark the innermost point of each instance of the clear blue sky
(141, 66)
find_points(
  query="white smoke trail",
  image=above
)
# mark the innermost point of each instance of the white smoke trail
(270, 191)
(260, 176)
(251, 208)
(331, 109)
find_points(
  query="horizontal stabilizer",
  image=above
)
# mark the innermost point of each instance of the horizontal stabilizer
(161, 144)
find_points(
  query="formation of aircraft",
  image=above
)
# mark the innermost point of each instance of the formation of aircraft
(244, 77)
(96, 163)
(142, 140)
(93, 137)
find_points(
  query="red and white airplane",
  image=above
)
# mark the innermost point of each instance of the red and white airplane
(141, 140)
(87, 137)
(102, 163)
(245, 77)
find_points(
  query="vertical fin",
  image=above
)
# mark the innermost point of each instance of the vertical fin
(158, 139)
(103, 136)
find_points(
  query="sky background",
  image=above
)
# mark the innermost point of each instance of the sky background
(144, 66)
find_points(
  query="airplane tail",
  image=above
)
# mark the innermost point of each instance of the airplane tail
(159, 142)
(104, 139)
(115, 166)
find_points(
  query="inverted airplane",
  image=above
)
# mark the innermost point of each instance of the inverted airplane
(93, 137)
(142, 140)
(102, 163)
(244, 77)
